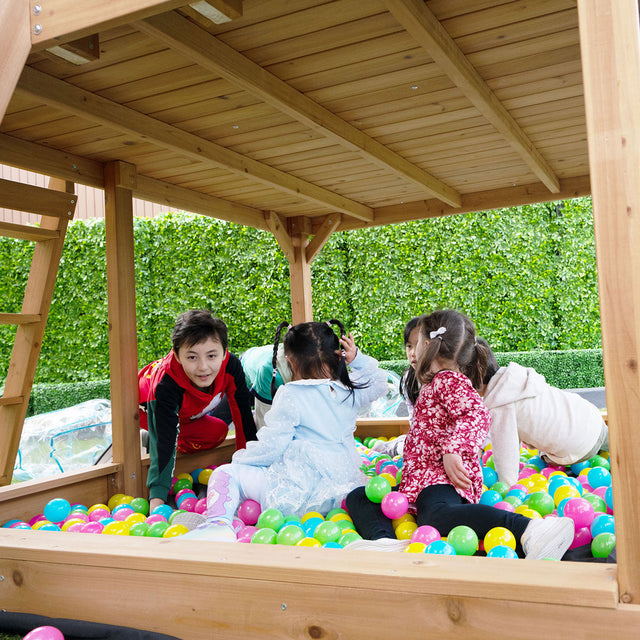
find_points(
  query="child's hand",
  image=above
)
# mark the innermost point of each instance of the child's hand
(348, 345)
(455, 471)
(155, 502)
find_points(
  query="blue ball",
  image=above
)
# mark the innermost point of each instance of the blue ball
(502, 551)
(577, 467)
(557, 481)
(577, 484)
(50, 526)
(537, 462)
(8, 523)
(560, 507)
(440, 547)
(608, 497)
(490, 497)
(310, 525)
(599, 477)
(57, 510)
(164, 510)
(332, 545)
(489, 476)
(603, 523)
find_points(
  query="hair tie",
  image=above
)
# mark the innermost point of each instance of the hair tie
(437, 332)
(328, 324)
(289, 327)
(275, 372)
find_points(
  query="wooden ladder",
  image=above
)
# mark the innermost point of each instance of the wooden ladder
(56, 204)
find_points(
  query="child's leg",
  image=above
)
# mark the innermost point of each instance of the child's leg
(367, 516)
(442, 507)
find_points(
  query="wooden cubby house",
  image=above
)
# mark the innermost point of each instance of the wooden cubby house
(305, 118)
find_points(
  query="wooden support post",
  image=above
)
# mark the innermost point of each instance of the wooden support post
(15, 45)
(300, 275)
(119, 180)
(609, 39)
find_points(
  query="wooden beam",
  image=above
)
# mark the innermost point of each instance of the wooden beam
(15, 46)
(92, 107)
(56, 21)
(26, 232)
(218, 11)
(278, 228)
(213, 54)
(19, 318)
(123, 346)
(79, 51)
(32, 199)
(479, 201)
(426, 30)
(610, 46)
(321, 235)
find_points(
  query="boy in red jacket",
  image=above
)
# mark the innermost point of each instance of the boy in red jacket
(178, 392)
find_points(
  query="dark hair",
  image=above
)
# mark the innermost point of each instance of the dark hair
(492, 363)
(451, 336)
(196, 326)
(409, 386)
(315, 352)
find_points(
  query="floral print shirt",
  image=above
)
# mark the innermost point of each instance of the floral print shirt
(449, 417)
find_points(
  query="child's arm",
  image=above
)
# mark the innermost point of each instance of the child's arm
(365, 371)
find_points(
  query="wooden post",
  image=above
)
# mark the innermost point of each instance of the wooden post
(15, 45)
(609, 39)
(119, 179)
(300, 275)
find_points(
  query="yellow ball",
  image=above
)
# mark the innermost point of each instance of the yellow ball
(308, 542)
(405, 530)
(557, 473)
(565, 491)
(340, 516)
(114, 501)
(93, 507)
(523, 510)
(134, 518)
(65, 525)
(499, 536)
(204, 475)
(311, 514)
(383, 438)
(185, 476)
(36, 525)
(407, 517)
(174, 530)
(390, 478)
(416, 547)
(116, 528)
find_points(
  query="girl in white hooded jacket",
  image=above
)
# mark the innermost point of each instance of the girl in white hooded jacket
(562, 425)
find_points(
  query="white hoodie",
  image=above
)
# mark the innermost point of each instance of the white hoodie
(525, 408)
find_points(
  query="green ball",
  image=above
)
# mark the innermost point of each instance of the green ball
(264, 536)
(514, 500)
(289, 535)
(327, 531)
(598, 504)
(270, 519)
(345, 525)
(139, 529)
(603, 544)
(334, 512)
(490, 463)
(500, 487)
(399, 476)
(182, 483)
(174, 514)
(599, 461)
(348, 537)
(541, 502)
(377, 488)
(157, 529)
(140, 505)
(464, 540)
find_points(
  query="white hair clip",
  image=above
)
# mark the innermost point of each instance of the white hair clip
(437, 332)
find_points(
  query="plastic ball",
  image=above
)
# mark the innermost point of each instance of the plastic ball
(391, 479)
(140, 505)
(565, 491)
(407, 517)
(93, 527)
(599, 477)
(189, 504)
(599, 461)
(502, 551)
(49, 526)
(499, 536)
(603, 544)
(523, 510)
(394, 504)
(608, 497)
(157, 529)
(249, 511)
(598, 504)
(98, 514)
(201, 506)
(581, 537)
(348, 537)
(327, 531)
(464, 540)
(603, 523)
(174, 530)
(44, 633)
(489, 476)
(134, 518)
(440, 547)
(416, 547)
(116, 528)
(114, 500)
(332, 544)
(425, 534)
(501, 487)
(246, 533)
(405, 530)
(577, 467)
(139, 529)
(310, 525)
(311, 514)
(580, 510)
(290, 535)
(264, 536)
(183, 494)
(377, 488)
(195, 474)
(490, 497)
(182, 483)
(541, 502)
(271, 519)
(57, 510)
(505, 506)
(122, 513)
(309, 542)
(67, 525)
(204, 475)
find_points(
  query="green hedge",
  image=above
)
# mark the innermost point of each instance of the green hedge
(525, 275)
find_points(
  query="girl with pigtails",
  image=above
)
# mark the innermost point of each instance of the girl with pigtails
(441, 472)
(305, 458)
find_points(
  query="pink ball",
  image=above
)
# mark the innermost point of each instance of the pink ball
(581, 537)
(237, 525)
(600, 491)
(249, 511)
(505, 506)
(525, 473)
(201, 506)
(394, 504)
(426, 534)
(77, 516)
(37, 518)
(155, 517)
(189, 504)
(77, 527)
(92, 527)
(547, 471)
(486, 455)
(122, 514)
(245, 534)
(98, 514)
(44, 633)
(182, 494)
(580, 511)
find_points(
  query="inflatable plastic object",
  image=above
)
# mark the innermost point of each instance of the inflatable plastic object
(394, 504)
(602, 523)
(271, 519)
(440, 547)
(603, 544)
(377, 488)
(264, 536)
(499, 536)
(249, 511)
(425, 534)
(464, 540)
(57, 510)
(327, 531)
(290, 535)
(502, 551)
(44, 633)
(580, 510)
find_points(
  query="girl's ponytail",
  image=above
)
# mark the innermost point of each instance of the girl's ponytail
(274, 360)
(343, 373)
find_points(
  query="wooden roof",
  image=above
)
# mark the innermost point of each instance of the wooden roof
(383, 111)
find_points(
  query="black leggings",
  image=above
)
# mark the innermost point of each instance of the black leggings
(440, 506)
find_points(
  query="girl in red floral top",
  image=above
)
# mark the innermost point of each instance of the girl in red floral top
(441, 473)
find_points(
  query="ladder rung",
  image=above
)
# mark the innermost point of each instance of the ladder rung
(38, 200)
(20, 318)
(12, 400)
(25, 232)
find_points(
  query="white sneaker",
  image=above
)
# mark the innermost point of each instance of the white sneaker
(189, 519)
(212, 530)
(382, 544)
(548, 538)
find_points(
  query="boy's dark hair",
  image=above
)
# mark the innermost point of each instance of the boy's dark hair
(315, 351)
(454, 338)
(492, 363)
(409, 386)
(196, 326)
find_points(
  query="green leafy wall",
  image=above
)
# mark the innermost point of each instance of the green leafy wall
(527, 276)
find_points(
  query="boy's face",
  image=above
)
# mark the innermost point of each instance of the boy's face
(410, 346)
(201, 362)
